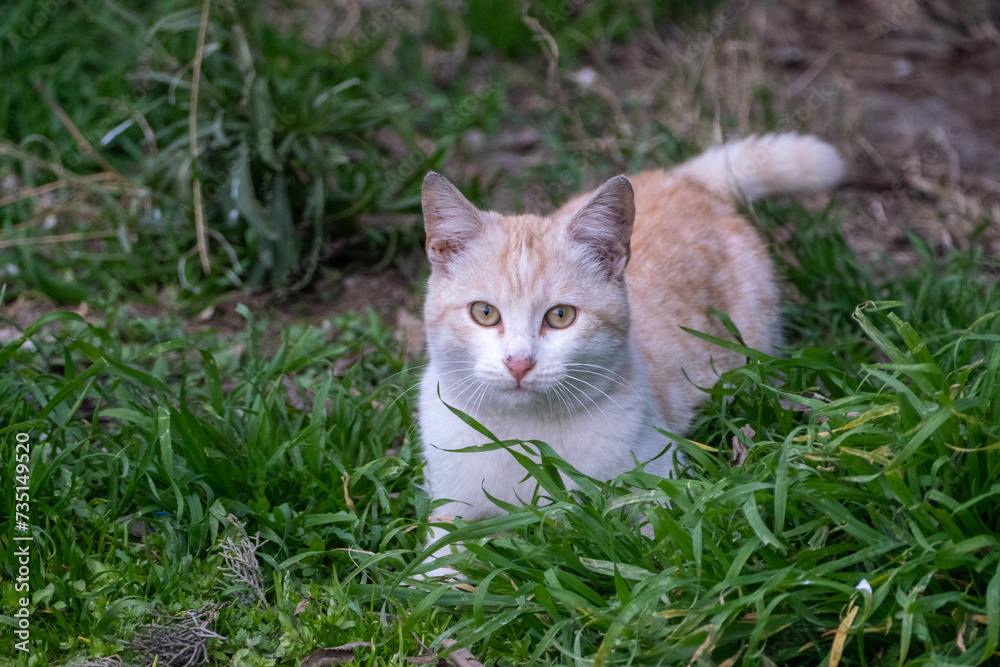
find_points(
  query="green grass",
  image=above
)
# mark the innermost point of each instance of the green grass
(874, 456)
(288, 156)
(292, 145)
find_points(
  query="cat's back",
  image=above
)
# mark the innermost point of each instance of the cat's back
(691, 252)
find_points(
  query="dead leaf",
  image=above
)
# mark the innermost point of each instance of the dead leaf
(462, 657)
(795, 406)
(960, 642)
(837, 649)
(294, 397)
(338, 655)
(729, 662)
(343, 364)
(740, 450)
(426, 656)
(706, 645)
(302, 606)
(427, 659)
(390, 141)
(347, 498)
(739, 453)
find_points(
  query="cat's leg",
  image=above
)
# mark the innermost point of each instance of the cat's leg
(444, 514)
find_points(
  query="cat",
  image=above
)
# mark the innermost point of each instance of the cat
(566, 328)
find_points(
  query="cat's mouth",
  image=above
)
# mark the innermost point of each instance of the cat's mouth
(524, 390)
(519, 391)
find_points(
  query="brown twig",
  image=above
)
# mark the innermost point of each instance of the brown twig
(199, 214)
(55, 185)
(46, 215)
(10, 148)
(81, 140)
(550, 50)
(56, 238)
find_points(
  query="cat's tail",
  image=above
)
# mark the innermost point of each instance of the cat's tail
(755, 167)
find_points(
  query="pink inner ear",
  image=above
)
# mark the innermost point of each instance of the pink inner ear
(451, 221)
(439, 250)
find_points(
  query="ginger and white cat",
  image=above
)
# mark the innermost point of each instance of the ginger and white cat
(566, 328)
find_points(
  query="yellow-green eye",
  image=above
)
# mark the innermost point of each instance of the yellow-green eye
(561, 316)
(485, 314)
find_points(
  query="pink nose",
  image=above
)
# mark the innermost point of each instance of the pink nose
(519, 367)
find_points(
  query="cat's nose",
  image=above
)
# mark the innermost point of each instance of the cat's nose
(519, 367)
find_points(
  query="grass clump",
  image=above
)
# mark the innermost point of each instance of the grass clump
(275, 157)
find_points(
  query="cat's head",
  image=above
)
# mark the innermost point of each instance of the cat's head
(524, 310)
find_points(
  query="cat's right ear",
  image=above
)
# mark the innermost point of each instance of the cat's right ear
(451, 221)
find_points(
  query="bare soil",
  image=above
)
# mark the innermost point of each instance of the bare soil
(918, 85)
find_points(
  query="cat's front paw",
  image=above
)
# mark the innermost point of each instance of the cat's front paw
(445, 573)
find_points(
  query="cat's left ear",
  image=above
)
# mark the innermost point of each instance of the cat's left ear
(604, 225)
(451, 221)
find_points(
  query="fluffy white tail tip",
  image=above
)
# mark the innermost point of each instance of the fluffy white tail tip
(755, 167)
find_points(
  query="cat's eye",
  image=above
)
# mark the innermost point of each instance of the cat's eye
(484, 313)
(561, 316)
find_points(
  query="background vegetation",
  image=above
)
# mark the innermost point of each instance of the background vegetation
(837, 507)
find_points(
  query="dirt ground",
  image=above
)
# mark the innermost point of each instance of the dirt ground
(918, 87)
(909, 92)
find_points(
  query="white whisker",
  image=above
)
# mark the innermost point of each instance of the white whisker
(559, 391)
(591, 398)
(486, 387)
(598, 389)
(602, 372)
(460, 388)
(401, 395)
(575, 392)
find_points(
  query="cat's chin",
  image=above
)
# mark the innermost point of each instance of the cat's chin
(520, 394)
(522, 398)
